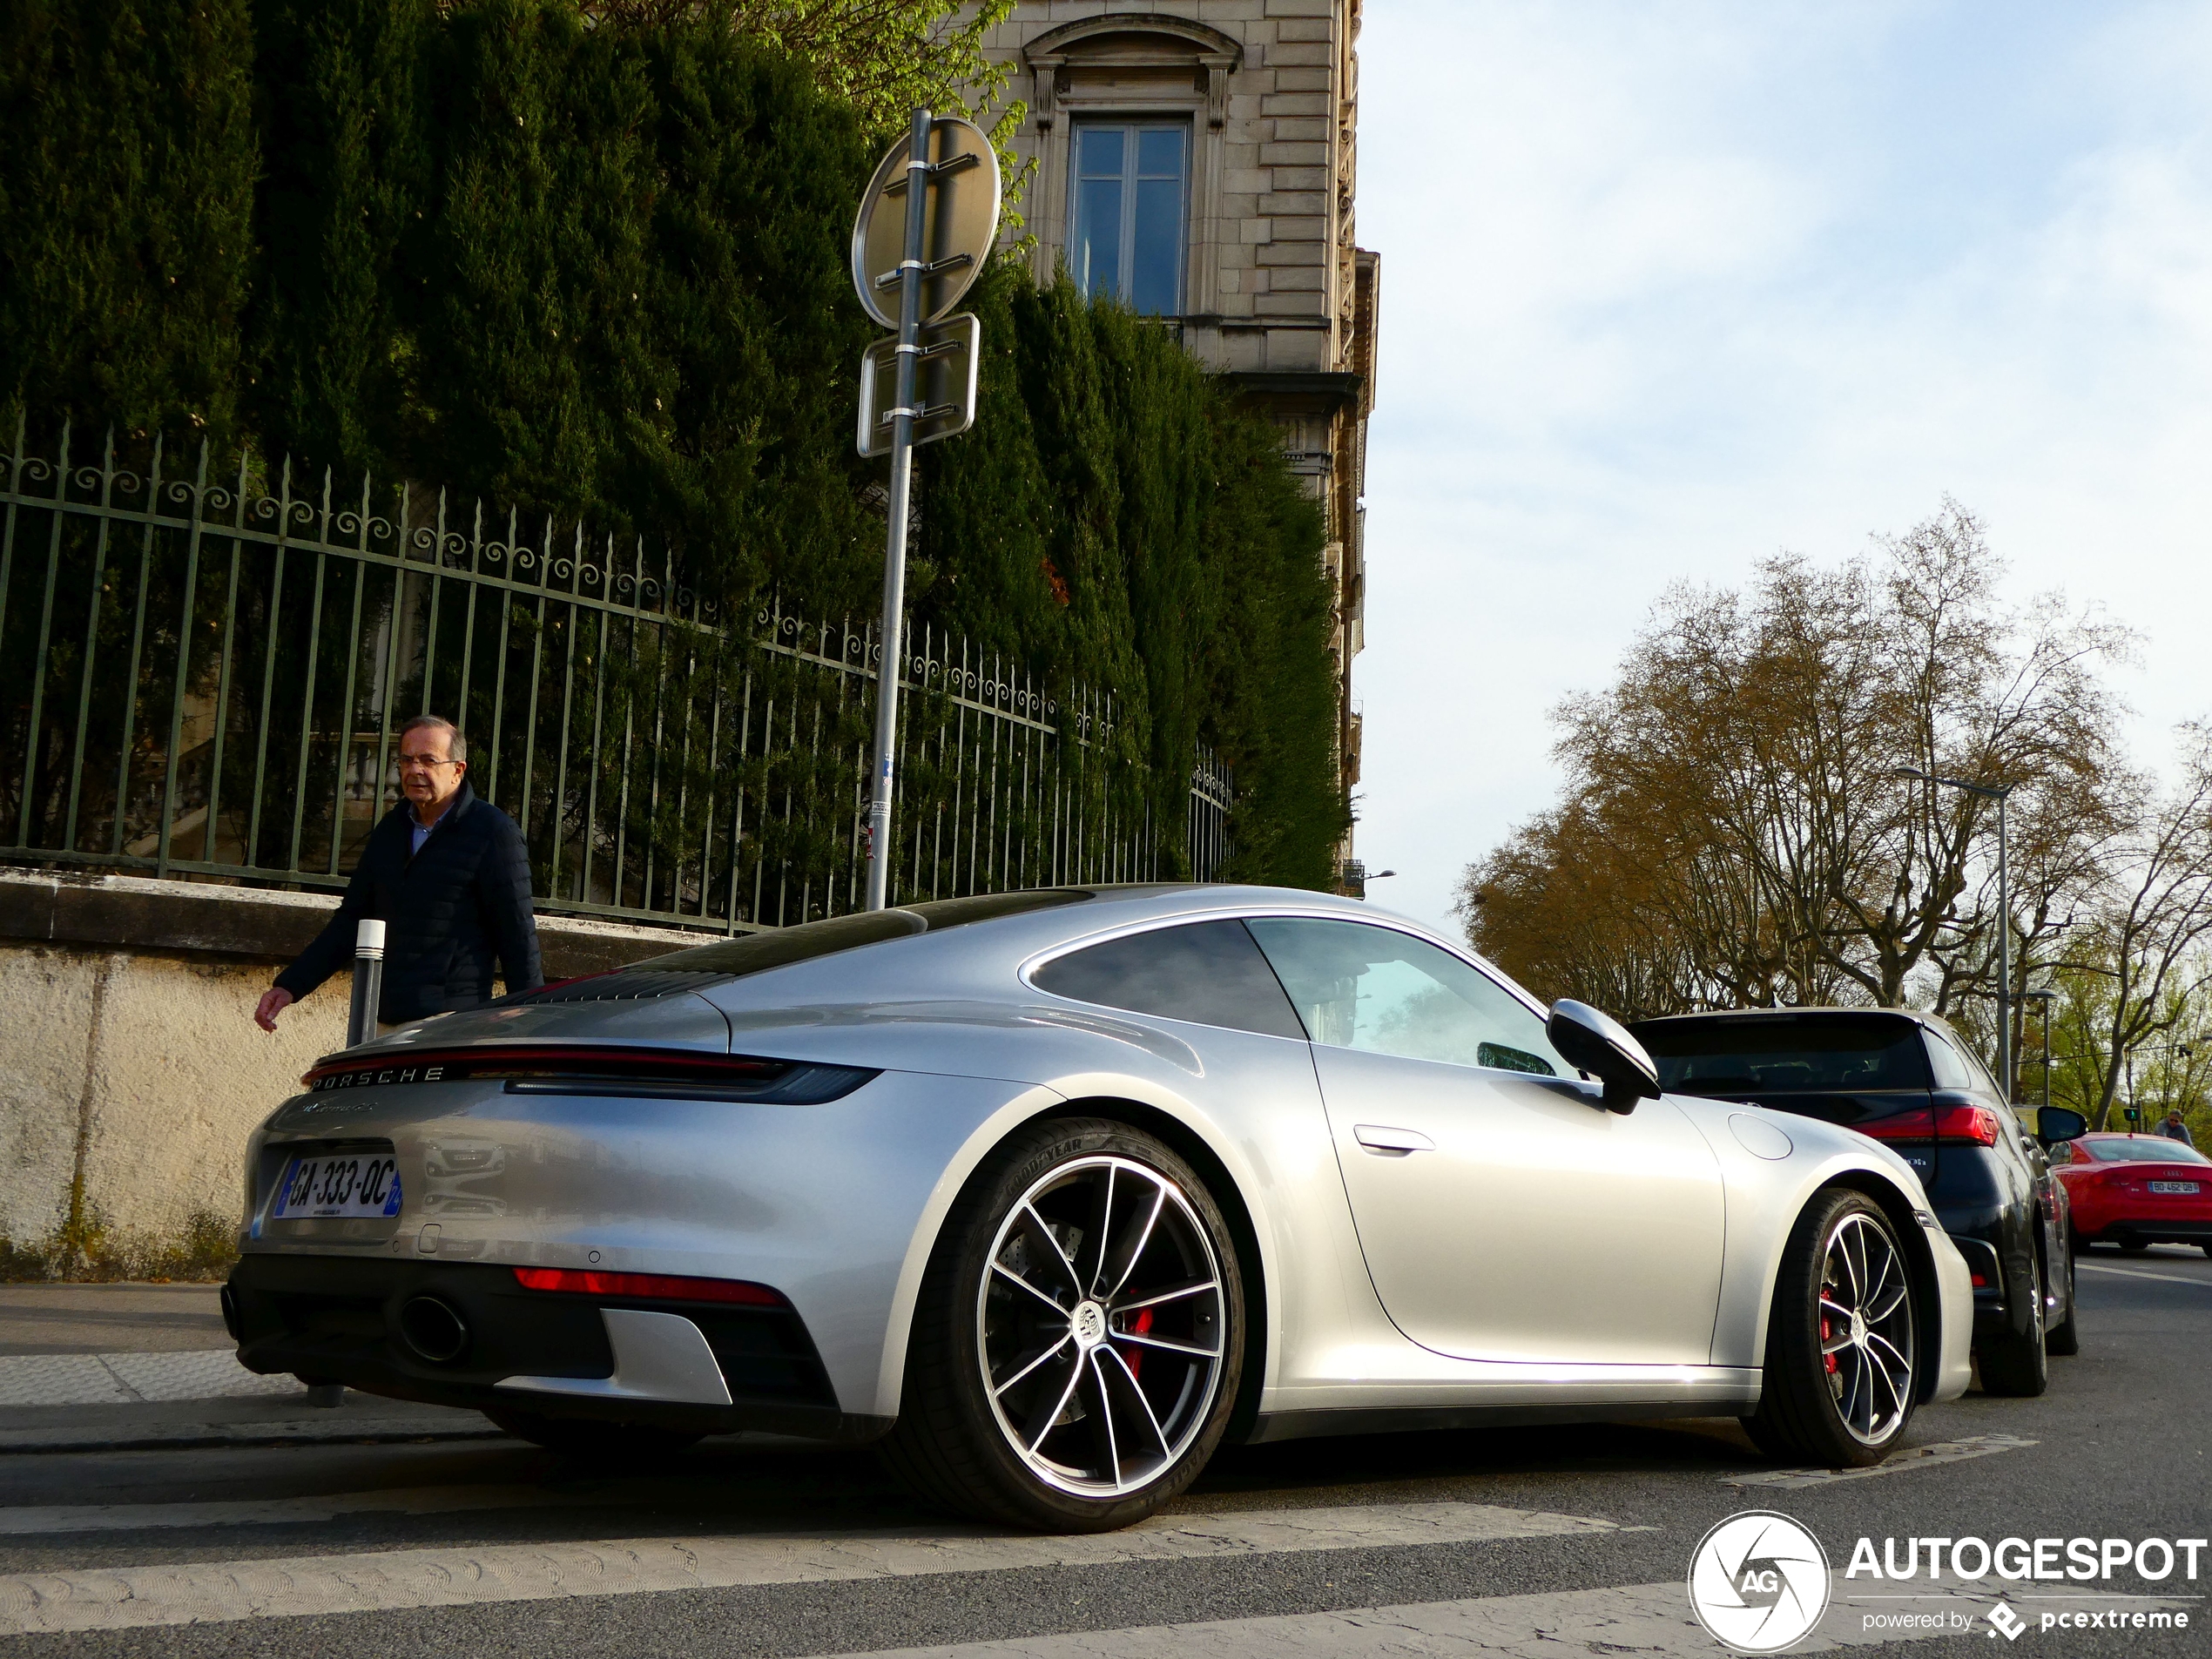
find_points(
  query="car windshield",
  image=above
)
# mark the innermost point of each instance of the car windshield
(781, 946)
(1785, 1054)
(2141, 1149)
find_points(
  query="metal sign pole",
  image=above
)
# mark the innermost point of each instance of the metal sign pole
(895, 541)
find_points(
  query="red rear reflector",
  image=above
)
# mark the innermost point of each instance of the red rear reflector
(1971, 1125)
(657, 1287)
(1981, 1283)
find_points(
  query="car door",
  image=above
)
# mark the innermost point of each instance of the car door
(1503, 1213)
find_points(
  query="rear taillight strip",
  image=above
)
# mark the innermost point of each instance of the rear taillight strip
(1958, 1125)
(648, 1287)
(548, 1060)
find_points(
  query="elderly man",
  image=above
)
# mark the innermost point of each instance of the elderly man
(448, 875)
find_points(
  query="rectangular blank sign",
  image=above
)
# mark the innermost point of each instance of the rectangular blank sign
(952, 351)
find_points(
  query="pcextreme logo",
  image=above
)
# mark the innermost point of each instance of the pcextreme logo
(1758, 1581)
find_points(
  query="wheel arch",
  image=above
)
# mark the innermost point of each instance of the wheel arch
(1195, 1151)
(1912, 1238)
(1041, 1104)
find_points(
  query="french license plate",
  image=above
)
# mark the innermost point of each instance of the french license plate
(2172, 1186)
(338, 1185)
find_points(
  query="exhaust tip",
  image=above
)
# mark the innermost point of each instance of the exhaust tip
(433, 1331)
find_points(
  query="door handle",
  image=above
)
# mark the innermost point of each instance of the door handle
(1384, 1141)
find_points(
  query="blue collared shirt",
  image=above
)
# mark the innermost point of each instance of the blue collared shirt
(421, 830)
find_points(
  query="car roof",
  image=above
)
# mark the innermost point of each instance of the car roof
(978, 956)
(1743, 1015)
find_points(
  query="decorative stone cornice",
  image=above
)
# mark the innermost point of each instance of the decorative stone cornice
(1199, 44)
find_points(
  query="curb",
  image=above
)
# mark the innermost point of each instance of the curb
(185, 1437)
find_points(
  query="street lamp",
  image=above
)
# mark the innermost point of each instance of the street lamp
(2045, 998)
(2004, 917)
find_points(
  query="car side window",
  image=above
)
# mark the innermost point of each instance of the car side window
(1209, 973)
(1358, 987)
(1951, 1069)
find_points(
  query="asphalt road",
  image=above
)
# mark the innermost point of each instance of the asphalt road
(1562, 1541)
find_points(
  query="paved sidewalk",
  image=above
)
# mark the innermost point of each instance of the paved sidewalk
(115, 1344)
(109, 1319)
(110, 1366)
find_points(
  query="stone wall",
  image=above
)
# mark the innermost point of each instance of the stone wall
(130, 1068)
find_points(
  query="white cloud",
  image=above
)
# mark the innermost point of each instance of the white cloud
(1667, 287)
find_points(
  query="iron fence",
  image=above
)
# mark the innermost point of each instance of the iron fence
(203, 676)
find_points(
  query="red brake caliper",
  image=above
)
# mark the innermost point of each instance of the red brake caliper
(1137, 1327)
(1827, 1361)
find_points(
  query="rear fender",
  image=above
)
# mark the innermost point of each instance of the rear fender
(1100, 1094)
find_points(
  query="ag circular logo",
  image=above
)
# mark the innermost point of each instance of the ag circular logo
(1758, 1581)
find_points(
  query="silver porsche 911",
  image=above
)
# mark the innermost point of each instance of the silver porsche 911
(1050, 1192)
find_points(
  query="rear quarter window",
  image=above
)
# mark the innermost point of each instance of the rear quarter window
(1209, 973)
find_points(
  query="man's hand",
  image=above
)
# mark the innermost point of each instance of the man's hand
(274, 1000)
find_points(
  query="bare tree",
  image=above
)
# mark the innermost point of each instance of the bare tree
(1744, 777)
(2152, 923)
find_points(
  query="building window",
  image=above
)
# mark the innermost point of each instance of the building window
(1127, 211)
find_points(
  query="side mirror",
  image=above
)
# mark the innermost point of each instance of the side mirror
(1596, 1042)
(2056, 1123)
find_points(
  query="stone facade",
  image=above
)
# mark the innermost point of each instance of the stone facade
(1276, 293)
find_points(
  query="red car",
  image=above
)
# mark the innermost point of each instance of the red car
(2136, 1191)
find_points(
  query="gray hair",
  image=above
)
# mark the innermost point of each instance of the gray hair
(456, 746)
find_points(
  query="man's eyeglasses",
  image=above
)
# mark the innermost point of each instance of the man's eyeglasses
(427, 761)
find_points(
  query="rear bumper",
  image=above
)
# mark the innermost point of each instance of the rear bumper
(1954, 1368)
(709, 1368)
(2148, 1230)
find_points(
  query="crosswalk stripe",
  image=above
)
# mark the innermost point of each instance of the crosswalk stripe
(1917, 1457)
(33, 1522)
(1649, 1620)
(2137, 1273)
(122, 1598)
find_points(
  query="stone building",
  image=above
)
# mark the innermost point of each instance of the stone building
(1197, 157)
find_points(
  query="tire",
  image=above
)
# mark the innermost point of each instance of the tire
(593, 1442)
(2135, 1246)
(1838, 1397)
(1092, 1416)
(2064, 1338)
(2014, 1364)
(2206, 1247)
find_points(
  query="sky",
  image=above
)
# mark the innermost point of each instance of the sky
(1670, 287)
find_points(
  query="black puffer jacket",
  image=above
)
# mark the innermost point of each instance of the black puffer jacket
(448, 910)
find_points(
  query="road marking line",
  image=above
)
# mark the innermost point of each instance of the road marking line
(1918, 1457)
(381, 1581)
(400, 1500)
(2137, 1273)
(122, 1378)
(1650, 1620)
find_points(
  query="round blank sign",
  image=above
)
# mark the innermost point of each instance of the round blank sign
(960, 223)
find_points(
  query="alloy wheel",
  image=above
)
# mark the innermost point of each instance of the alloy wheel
(1100, 1327)
(1865, 1328)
